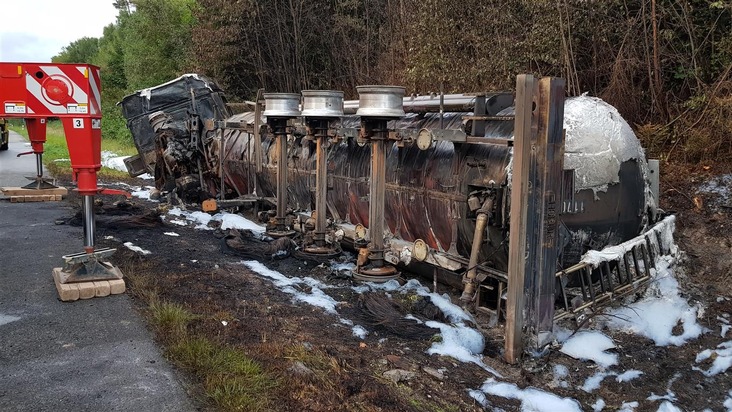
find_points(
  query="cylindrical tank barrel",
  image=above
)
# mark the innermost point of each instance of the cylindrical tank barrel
(603, 201)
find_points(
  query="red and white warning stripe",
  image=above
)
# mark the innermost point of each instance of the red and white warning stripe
(36, 97)
(95, 100)
(78, 94)
(79, 101)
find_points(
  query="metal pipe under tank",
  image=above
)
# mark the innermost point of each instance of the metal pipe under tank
(470, 284)
(435, 103)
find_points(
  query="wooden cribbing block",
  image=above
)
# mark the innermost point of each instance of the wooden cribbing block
(102, 287)
(68, 292)
(19, 191)
(116, 286)
(35, 198)
(86, 289)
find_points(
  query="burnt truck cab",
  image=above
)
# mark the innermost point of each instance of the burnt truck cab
(175, 112)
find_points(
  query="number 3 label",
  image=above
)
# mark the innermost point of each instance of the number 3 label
(78, 123)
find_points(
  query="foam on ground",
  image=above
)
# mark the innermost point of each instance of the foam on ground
(137, 249)
(591, 345)
(722, 356)
(532, 399)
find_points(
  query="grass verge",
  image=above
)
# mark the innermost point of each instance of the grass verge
(233, 381)
(230, 379)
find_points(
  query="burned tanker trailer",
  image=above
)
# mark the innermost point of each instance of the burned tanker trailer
(448, 168)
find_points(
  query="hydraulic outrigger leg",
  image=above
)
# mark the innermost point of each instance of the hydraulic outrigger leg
(37, 137)
(36, 92)
(89, 265)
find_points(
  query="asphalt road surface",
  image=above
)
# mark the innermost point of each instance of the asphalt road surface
(88, 355)
(13, 169)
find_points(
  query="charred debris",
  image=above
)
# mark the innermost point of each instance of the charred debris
(438, 185)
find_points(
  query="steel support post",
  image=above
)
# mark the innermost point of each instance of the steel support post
(378, 104)
(280, 107)
(321, 182)
(280, 132)
(39, 166)
(89, 223)
(37, 136)
(377, 192)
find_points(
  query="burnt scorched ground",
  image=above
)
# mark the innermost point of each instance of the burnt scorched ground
(322, 366)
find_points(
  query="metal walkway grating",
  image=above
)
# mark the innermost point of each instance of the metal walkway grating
(614, 272)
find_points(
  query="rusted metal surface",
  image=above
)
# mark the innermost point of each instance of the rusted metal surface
(377, 191)
(470, 279)
(279, 126)
(425, 190)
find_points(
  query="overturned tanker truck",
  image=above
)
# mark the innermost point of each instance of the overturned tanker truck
(447, 171)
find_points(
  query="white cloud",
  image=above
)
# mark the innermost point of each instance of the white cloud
(36, 30)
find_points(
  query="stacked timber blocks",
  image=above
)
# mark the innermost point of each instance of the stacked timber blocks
(71, 291)
(22, 195)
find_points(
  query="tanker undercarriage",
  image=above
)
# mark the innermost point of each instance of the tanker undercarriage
(437, 173)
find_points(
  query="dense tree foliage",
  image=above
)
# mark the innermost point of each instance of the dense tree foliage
(155, 40)
(85, 49)
(147, 45)
(664, 63)
(292, 45)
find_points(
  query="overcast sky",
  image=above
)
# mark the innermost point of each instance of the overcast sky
(36, 30)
